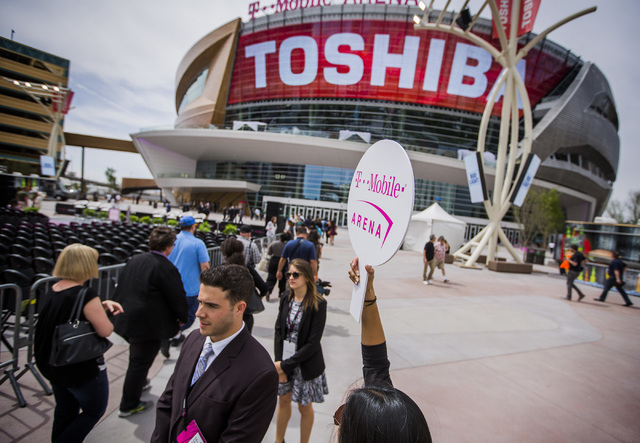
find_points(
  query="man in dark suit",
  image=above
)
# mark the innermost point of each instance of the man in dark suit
(224, 385)
(151, 289)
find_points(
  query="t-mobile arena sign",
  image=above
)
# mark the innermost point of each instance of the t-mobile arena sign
(379, 209)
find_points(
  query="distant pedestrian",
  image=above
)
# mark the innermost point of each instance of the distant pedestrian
(440, 253)
(271, 229)
(616, 273)
(576, 262)
(333, 231)
(429, 258)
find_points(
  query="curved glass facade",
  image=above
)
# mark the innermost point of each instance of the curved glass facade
(328, 184)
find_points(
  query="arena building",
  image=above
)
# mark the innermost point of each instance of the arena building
(281, 108)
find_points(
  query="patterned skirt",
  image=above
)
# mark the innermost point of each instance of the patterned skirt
(305, 391)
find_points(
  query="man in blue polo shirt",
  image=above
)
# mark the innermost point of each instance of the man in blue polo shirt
(190, 256)
(298, 248)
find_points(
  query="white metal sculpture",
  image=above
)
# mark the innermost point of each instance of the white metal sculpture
(511, 152)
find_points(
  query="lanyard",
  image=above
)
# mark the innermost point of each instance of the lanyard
(290, 322)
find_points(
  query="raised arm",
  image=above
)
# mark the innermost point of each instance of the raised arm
(375, 364)
(372, 330)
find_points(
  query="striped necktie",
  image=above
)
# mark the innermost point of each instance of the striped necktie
(202, 362)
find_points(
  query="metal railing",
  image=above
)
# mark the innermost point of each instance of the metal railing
(11, 320)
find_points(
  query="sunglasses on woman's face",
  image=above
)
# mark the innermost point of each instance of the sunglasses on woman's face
(295, 275)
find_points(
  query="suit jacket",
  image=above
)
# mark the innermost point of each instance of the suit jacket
(308, 349)
(234, 399)
(152, 295)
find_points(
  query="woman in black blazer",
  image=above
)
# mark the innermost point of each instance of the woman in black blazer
(298, 353)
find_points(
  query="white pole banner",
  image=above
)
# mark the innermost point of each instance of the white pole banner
(524, 183)
(379, 209)
(47, 165)
(475, 178)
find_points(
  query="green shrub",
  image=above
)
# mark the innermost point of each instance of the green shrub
(89, 212)
(30, 209)
(134, 218)
(230, 229)
(157, 221)
(122, 216)
(103, 214)
(145, 219)
(204, 227)
(172, 222)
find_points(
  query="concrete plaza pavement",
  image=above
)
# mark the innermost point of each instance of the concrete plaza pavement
(487, 356)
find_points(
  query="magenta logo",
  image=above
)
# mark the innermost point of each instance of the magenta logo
(370, 225)
(378, 185)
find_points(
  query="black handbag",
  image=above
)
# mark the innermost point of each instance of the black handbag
(255, 304)
(76, 341)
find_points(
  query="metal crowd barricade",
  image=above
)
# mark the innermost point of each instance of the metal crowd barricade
(107, 281)
(215, 256)
(11, 365)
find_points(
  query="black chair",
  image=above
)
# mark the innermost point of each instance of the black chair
(17, 277)
(144, 247)
(127, 246)
(39, 251)
(19, 249)
(24, 241)
(109, 244)
(107, 259)
(58, 237)
(58, 245)
(136, 252)
(121, 254)
(101, 249)
(42, 243)
(41, 236)
(43, 265)
(20, 262)
(90, 241)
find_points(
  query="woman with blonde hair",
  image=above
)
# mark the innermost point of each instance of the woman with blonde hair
(298, 353)
(80, 386)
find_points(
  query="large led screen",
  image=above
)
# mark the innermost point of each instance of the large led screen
(377, 60)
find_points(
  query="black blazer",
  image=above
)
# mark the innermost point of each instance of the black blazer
(234, 399)
(152, 295)
(308, 350)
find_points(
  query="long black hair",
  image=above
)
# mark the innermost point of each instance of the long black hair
(382, 414)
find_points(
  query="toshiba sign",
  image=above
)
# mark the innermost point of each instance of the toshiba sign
(377, 60)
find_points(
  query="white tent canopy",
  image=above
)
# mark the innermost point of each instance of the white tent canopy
(437, 221)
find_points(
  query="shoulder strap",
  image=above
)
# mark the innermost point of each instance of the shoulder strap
(300, 240)
(77, 306)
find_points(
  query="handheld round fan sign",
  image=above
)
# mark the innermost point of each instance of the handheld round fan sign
(380, 202)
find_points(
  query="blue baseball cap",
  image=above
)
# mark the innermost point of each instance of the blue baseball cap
(187, 221)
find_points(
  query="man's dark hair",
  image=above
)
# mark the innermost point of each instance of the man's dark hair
(382, 414)
(573, 247)
(301, 229)
(285, 237)
(161, 238)
(235, 280)
(616, 254)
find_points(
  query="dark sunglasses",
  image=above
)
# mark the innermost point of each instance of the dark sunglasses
(295, 275)
(337, 416)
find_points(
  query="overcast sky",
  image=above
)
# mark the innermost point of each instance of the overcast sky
(124, 55)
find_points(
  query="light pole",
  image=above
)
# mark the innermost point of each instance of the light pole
(60, 102)
(511, 154)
